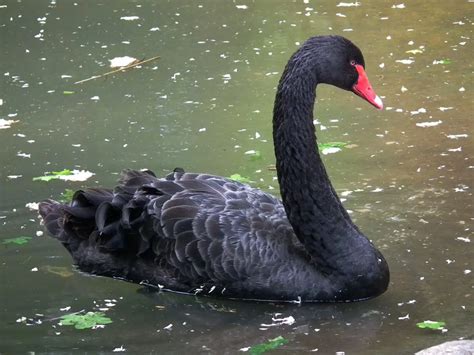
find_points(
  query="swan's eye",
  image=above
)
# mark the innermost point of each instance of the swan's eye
(353, 62)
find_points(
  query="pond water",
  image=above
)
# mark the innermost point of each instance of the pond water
(405, 175)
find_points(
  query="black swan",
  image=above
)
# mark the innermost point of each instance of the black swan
(205, 234)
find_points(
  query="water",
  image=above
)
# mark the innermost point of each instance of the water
(409, 187)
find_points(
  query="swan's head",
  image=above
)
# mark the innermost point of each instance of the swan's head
(340, 63)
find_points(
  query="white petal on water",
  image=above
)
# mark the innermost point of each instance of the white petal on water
(330, 150)
(39, 233)
(169, 326)
(449, 261)
(404, 317)
(35, 269)
(464, 239)
(242, 7)
(202, 130)
(445, 108)
(429, 124)
(33, 206)
(420, 110)
(77, 175)
(153, 29)
(4, 124)
(95, 98)
(462, 89)
(65, 309)
(458, 149)
(405, 61)
(249, 152)
(129, 18)
(121, 349)
(290, 320)
(119, 62)
(245, 349)
(382, 65)
(377, 189)
(348, 4)
(340, 15)
(457, 136)
(467, 271)
(403, 89)
(23, 155)
(14, 176)
(399, 6)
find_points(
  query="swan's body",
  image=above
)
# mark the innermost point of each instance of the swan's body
(206, 234)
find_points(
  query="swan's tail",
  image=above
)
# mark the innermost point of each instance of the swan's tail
(100, 221)
(73, 224)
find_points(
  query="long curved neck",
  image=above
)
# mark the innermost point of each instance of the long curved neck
(313, 208)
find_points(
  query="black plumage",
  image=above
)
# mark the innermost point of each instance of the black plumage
(200, 233)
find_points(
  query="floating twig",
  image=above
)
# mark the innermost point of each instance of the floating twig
(118, 70)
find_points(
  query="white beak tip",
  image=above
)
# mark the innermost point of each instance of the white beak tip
(378, 102)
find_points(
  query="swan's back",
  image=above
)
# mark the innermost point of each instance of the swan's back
(186, 232)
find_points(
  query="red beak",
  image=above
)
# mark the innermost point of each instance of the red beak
(363, 88)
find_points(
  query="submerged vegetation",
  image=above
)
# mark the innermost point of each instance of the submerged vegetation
(17, 240)
(269, 345)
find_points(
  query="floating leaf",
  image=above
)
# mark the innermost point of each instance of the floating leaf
(66, 196)
(442, 61)
(54, 175)
(58, 270)
(429, 324)
(85, 321)
(269, 345)
(322, 146)
(240, 178)
(66, 174)
(18, 240)
(65, 92)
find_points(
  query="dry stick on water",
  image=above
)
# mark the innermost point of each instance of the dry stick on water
(118, 70)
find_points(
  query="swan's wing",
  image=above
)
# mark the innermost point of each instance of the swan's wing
(197, 229)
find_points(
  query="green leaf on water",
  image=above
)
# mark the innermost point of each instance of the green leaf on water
(445, 61)
(85, 321)
(269, 345)
(66, 92)
(53, 175)
(240, 178)
(66, 196)
(18, 240)
(322, 146)
(429, 324)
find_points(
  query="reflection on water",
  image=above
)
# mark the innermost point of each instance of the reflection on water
(406, 174)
